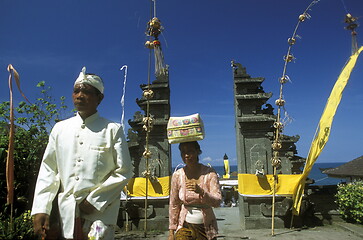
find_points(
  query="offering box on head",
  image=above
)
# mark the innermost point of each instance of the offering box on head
(185, 129)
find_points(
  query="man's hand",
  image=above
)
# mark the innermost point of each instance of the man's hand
(41, 224)
(86, 207)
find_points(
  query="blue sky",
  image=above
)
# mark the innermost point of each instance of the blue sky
(52, 40)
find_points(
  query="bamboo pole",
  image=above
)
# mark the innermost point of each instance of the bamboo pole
(273, 203)
(147, 129)
(146, 194)
(280, 102)
(127, 214)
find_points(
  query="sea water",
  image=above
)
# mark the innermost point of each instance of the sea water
(315, 173)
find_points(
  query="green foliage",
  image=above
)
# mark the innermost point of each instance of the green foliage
(349, 198)
(21, 227)
(33, 124)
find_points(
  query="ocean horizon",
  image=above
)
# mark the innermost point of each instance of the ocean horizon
(315, 174)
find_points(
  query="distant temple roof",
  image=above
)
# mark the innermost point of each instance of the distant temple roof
(353, 169)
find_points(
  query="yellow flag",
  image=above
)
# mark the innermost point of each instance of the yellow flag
(226, 169)
(323, 130)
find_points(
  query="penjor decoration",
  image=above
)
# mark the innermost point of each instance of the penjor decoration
(324, 127)
(280, 102)
(13, 74)
(154, 29)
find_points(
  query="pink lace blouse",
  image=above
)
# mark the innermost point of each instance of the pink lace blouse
(179, 197)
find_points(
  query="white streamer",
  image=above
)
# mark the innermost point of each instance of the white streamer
(123, 98)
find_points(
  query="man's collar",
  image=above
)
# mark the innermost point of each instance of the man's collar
(90, 119)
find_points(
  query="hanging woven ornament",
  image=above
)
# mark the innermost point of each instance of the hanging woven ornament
(352, 25)
(160, 66)
(154, 27)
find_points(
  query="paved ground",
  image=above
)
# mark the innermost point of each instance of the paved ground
(229, 230)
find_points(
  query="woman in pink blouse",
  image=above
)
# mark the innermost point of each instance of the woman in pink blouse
(194, 191)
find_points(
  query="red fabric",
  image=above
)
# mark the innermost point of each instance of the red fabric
(78, 229)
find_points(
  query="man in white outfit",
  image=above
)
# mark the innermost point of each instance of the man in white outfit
(87, 163)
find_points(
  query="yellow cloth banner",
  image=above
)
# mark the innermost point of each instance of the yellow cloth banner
(323, 130)
(226, 169)
(160, 188)
(252, 185)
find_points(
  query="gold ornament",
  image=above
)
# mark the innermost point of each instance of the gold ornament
(289, 58)
(146, 154)
(148, 123)
(278, 125)
(149, 45)
(302, 17)
(280, 102)
(284, 79)
(275, 161)
(148, 94)
(291, 41)
(276, 146)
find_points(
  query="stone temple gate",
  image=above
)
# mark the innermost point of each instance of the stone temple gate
(254, 135)
(254, 120)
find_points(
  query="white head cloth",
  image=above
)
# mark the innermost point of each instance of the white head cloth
(92, 80)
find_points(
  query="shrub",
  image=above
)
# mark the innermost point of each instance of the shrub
(33, 123)
(349, 199)
(21, 227)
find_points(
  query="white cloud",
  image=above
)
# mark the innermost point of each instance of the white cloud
(213, 162)
(207, 159)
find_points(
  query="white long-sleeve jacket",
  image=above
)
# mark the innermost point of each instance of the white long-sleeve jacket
(83, 159)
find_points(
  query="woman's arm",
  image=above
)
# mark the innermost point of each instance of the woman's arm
(211, 195)
(174, 202)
